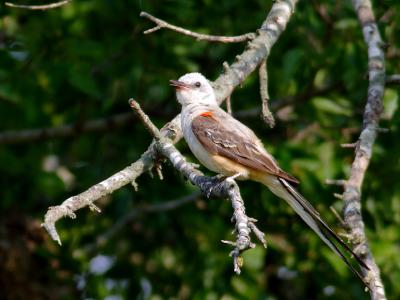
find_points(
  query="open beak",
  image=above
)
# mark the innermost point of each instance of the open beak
(179, 85)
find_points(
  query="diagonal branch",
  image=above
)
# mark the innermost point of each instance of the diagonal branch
(257, 50)
(199, 36)
(363, 147)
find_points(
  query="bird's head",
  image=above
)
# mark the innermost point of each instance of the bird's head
(193, 88)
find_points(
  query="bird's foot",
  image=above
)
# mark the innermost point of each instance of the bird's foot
(220, 180)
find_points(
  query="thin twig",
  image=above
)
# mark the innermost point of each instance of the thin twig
(338, 196)
(337, 215)
(200, 37)
(229, 105)
(363, 151)
(263, 76)
(349, 145)
(38, 7)
(225, 66)
(339, 182)
(382, 130)
(393, 79)
(211, 186)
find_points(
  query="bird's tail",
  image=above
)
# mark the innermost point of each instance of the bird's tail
(309, 214)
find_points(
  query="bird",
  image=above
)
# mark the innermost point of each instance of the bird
(226, 146)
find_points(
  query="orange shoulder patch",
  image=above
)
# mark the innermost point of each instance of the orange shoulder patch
(206, 114)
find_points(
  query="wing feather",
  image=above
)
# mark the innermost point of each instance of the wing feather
(238, 143)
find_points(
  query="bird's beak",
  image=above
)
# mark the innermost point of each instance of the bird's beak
(179, 85)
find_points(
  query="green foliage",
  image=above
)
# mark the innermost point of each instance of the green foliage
(86, 59)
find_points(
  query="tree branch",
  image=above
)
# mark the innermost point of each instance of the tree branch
(393, 79)
(123, 119)
(200, 37)
(210, 186)
(257, 50)
(266, 113)
(363, 150)
(38, 7)
(34, 135)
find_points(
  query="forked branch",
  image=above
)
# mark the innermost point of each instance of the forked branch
(199, 36)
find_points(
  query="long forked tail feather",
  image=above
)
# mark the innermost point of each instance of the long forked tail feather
(313, 219)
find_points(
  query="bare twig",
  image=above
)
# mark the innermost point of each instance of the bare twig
(363, 150)
(212, 187)
(382, 130)
(337, 215)
(340, 182)
(338, 196)
(255, 53)
(39, 7)
(393, 79)
(34, 135)
(225, 66)
(266, 113)
(349, 145)
(229, 105)
(200, 37)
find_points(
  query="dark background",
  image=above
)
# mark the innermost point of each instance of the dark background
(85, 60)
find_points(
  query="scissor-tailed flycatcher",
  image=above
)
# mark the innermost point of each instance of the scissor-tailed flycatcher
(226, 146)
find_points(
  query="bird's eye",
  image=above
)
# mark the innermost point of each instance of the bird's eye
(197, 84)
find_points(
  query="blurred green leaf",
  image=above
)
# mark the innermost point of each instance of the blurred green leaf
(81, 78)
(390, 103)
(333, 106)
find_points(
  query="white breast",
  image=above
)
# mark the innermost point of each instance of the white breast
(187, 115)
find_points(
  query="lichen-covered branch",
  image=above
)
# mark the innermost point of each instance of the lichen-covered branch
(212, 187)
(199, 36)
(38, 7)
(257, 50)
(363, 149)
(101, 189)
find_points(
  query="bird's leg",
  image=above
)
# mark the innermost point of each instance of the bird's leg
(234, 176)
(220, 178)
(217, 179)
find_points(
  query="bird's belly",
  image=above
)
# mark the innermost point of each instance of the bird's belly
(202, 155)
